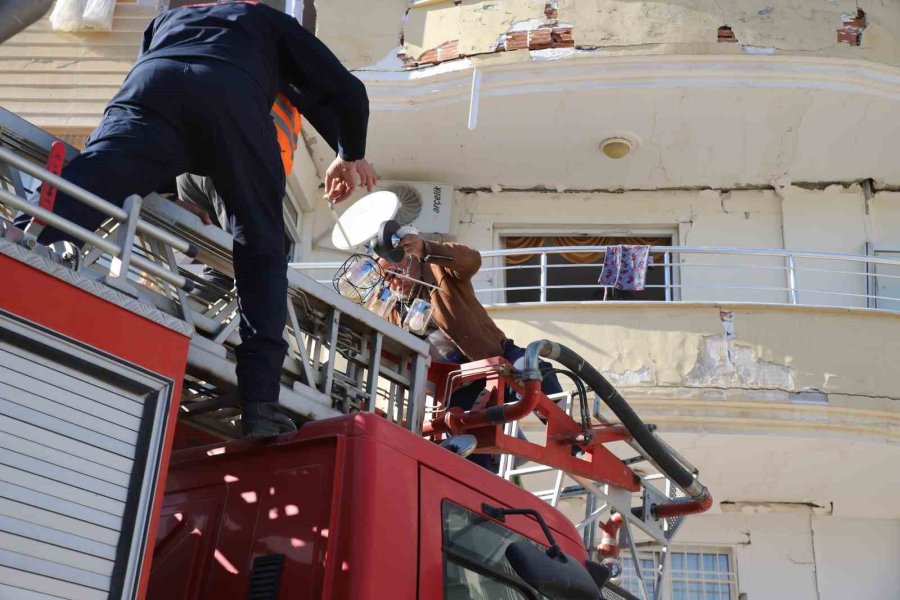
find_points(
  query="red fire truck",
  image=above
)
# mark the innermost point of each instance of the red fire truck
(120, 474)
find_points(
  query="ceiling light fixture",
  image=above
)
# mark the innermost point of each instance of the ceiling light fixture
(616, 147)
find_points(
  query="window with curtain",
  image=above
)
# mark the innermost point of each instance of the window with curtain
(572, 276)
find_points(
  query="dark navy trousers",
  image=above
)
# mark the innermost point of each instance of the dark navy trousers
(210, 118)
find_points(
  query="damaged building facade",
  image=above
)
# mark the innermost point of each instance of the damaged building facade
(743, 126)
(752, 143)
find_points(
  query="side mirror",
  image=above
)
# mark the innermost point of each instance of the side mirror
(558, 578)
(598, 572)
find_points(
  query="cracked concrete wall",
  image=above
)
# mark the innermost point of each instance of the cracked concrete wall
(679, 346)
(63, 81)
(361, 32)
(830, 220)
(802, 556)
(672, 26)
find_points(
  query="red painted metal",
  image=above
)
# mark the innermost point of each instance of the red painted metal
(681, 508)
(609, 543)
(352, 502)
(485, 421)
(43, 299)
(190, 436)
(55, 163)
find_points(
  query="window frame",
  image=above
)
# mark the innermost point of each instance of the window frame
(671, 274)
(876, 277)
(667, 583)
(449, 553)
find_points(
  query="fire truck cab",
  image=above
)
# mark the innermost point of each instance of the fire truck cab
(351, 507)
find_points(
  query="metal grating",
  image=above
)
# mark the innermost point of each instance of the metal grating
(72, 458)
(265, 578)
(614, 592)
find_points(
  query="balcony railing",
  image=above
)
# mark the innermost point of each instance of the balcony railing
(689, 274)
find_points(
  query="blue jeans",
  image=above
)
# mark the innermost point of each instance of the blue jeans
(466, 396)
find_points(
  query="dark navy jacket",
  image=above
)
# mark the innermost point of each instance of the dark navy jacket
(274, 50)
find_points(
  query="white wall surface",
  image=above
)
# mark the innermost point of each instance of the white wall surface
(795, 554)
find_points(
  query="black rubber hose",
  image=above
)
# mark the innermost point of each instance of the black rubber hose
(632, 422)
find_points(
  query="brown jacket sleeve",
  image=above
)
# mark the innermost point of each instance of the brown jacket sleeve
(464, 262)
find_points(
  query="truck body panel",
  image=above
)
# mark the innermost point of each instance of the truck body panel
(353, 504)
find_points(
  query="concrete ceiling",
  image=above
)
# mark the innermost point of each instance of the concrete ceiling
(719, 122)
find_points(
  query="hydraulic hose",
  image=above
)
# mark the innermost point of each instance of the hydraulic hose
(16, 15)
(700, 498)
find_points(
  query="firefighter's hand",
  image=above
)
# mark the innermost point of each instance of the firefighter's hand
(367, 175)
(340, 178)
(413, 245)
(193, 208)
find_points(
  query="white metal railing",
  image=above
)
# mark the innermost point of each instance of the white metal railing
(690, 274)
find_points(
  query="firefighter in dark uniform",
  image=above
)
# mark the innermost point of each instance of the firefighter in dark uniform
(198, 100)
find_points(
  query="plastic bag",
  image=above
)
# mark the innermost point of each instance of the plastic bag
(66, 15)
(161, 5)
(98, 15)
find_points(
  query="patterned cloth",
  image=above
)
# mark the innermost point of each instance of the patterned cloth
(625, 267)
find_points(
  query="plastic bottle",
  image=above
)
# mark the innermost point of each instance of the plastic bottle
(358, 280)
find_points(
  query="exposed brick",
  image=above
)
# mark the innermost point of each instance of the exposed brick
(562, 37)
(428, 57)
(851, 32)
(517, 40)
(846, 35)
(448, 51)
(540, 39)
(726, 35)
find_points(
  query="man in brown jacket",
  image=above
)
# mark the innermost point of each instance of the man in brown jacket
(462, 330)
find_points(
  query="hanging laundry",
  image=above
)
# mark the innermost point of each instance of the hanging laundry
(66, 15)
(98, 15)
(625, 267)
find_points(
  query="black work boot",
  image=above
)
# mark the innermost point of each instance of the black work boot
(265, 419)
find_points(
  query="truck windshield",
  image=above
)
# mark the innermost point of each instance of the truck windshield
(475, 565)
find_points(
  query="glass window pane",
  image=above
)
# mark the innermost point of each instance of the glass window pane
(723, 563)
(677, 561)
(464, 584)
(693, 561)
(468, 535)
(709, 563)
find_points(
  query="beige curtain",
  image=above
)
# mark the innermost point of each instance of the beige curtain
(580, 258)
(521, 242)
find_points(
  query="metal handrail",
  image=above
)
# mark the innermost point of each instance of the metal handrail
(792, 267)
(93, 200)
(119, 250)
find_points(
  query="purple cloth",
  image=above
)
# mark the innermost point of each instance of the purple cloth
(625, 267)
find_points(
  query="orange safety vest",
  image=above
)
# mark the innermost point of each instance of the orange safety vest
(287, 128)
